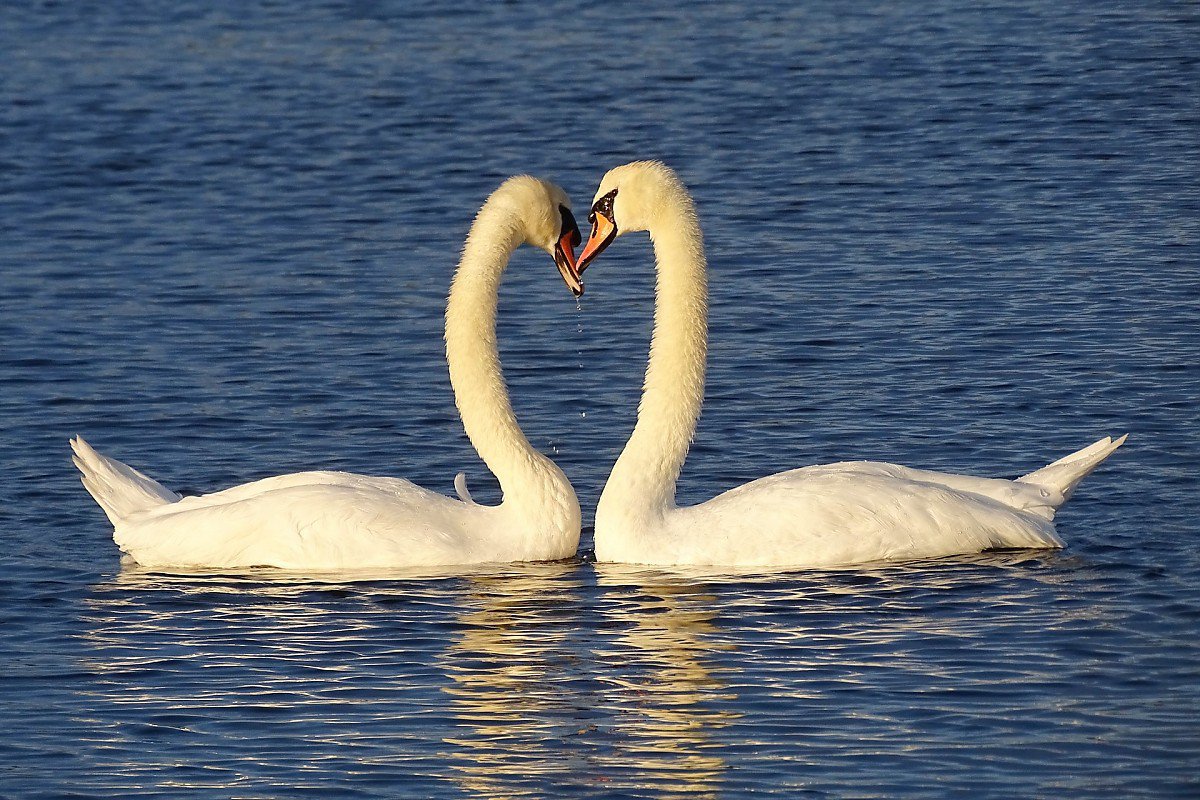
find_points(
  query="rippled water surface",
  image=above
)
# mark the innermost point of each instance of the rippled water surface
(946, 235)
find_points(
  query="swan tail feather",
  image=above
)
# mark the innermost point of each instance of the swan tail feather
(1066, 473)
(460, 486)
(119, 489)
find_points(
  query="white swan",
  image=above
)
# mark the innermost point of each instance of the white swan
(836, 514)
(335, 520)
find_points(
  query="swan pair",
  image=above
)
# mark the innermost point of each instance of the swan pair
(836, 514)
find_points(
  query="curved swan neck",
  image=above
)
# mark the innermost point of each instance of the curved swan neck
(645, 475)
(527, 478)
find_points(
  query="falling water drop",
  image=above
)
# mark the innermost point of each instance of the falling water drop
(579, 330)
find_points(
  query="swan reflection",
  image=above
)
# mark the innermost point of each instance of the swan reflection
(511, 669)
(279, 676)
(616, 681)
(657, 663)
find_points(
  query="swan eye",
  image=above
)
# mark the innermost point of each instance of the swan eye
(603, 206)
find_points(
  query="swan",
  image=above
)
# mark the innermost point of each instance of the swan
(336, 520)
(818, 516)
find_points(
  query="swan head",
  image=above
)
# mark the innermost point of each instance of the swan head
(543, 211)
(631, 197)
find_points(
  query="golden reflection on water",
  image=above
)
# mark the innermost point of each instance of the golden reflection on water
(652, 688)
(507, 667)
(660, 676)
(523, 677)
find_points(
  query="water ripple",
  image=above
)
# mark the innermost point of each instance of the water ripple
(951, 236)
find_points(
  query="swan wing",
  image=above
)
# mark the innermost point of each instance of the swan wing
(1035, 499)
(850, 513)
(326, 520)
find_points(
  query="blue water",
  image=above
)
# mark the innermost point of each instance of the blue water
(949, 235)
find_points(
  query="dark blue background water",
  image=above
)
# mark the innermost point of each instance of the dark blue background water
(946, 235)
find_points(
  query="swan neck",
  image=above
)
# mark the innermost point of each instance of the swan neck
(646, 473)
(529, 480)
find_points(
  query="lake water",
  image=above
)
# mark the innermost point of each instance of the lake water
(953, 236)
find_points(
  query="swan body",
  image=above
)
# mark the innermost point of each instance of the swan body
(818, 516)
(336, 520)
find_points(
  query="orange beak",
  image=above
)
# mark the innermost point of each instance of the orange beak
(564, 259)
(604, 230)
